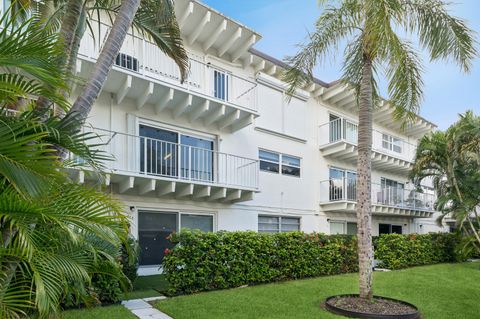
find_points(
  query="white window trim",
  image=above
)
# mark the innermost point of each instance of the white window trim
(344, 222)
(280, 221)
(280, 163)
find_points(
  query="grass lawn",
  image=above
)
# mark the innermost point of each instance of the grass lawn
(110, 312)
(147, 286)
(440, 291)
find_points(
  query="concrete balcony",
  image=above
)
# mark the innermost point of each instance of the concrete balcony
(214, 97)
(151, 167)
(339, 195)
(338, 140)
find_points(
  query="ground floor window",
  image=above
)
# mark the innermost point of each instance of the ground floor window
(275, 224)
(389, 229)
(155, 226)
(342, 227)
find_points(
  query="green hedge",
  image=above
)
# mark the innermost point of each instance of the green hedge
(401, 251)
(209, 261)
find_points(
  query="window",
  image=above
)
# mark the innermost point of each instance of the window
(127, 61)
(343, 228)
(290, 165)
(275, 224)
(155, 226)
(391, 143)
(173, 154)
(200, 222)
(389, 229)
(220, 85)
(343, 184)
(392, 192)
(270, 162)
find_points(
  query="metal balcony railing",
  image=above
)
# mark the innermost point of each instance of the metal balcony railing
(142, 56)
(345, 189)
(144, 156)
(347, 131)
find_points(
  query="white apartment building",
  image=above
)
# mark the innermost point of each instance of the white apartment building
(225, 151)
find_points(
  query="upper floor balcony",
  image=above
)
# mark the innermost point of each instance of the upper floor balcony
(189, 168)
(339, 138)
(143, 73)
(340, 195)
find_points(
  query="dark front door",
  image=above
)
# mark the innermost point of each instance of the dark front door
(153, 230)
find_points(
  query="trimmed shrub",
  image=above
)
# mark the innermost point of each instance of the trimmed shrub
(401, 251)
(208, 261)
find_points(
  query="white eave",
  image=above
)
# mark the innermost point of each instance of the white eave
(212, 31)
(342, 96)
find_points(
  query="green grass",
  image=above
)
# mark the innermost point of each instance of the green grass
(440, 291)
(147, 286)
(110, 312)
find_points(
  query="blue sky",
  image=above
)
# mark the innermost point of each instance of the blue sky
(284, 23)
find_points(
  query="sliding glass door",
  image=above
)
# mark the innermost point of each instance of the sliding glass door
(177, 155)
(343, 185)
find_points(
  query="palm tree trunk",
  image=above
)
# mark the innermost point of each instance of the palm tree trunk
(68, 29)
(364, 182)
(84, 102)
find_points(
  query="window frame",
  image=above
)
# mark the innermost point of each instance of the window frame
(345, 224)
(390, 226)
(390, 142)
(279, 218)
(280, 163)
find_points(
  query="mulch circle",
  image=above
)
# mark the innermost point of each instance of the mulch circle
(380, 308)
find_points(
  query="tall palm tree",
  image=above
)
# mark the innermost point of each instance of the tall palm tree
(52, 230)
(452, 160)
(153, 19)
(370, 27)
(158, 14)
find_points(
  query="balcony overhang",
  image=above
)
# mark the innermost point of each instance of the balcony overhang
(348, 152)
(210, 30)
(164, 187)
(344, 97)
(165, 97)
(378, 210)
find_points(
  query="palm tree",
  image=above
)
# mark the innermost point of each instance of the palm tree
(153, 19)
(158, 14)
(370, 28)
(52, 230)
(452, 160)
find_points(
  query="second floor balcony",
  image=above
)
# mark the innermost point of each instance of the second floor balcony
(339, 138)
(340, 195)
(144, 74)
(141, 165)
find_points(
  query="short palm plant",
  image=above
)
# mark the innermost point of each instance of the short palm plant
(373, 29)
(452, 160)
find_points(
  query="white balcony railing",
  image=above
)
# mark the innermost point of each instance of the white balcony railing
(344, 130)
(144, 156)
(151, 62)
(345, 189)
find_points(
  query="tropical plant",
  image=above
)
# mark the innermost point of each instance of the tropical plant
(370, 27)
(154, 20)
(157, 18)
(451, 159)
(53, 232)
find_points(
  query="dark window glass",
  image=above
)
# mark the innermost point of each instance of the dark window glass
(351, 228)
(158, 151)
(197, 158)
(268, 166)
(290, 170)
(384, 229)
(396, 229)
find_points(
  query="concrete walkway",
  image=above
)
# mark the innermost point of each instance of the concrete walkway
(143, 310)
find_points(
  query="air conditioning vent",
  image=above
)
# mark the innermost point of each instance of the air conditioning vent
(127, 61)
